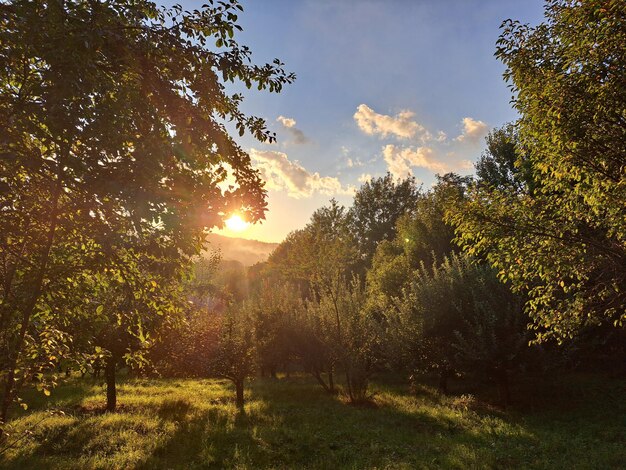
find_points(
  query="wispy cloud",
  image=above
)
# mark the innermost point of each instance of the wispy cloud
(354, 163)
(289, 124)
(282, 174)
(365, 177)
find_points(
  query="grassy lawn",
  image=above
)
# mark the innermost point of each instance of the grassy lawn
(291, 423)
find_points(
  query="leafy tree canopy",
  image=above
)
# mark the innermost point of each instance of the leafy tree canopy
(114, 140)
(378, 205)
(565, 242)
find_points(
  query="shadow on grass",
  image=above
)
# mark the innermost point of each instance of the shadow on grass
(291, 423)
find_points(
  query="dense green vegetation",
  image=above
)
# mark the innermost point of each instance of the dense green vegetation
(502, 288)
(575, 422)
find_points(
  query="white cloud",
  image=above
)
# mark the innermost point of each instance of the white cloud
(285, 121)
(290, 125)
(401, 160)
(365, 177)
(401, 125)
(282, 174)
(473, 130)
(433, 151)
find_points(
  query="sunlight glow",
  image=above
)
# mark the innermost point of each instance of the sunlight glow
(236, 223)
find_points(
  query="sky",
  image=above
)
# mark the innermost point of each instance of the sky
(406, 86)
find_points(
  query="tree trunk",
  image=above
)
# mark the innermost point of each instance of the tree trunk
(109, 372)
(320, 380)
(349, 385)
(503, 387)
(239, 391)
(331, 383)
(443, 381)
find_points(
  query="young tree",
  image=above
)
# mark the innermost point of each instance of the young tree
(274, 311)
(113, 125)
(457, 317)
(234, 357)
(349, 333)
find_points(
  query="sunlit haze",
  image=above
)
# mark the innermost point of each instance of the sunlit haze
(236, 224)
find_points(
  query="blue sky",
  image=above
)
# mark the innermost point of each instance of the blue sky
(404, 86)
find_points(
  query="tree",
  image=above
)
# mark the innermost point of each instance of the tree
(456, 317)
(422, 237)
(349, 333)
(129, 306)
(378, 205)
(564, 243)
(319, 253)
(112, 116)
(502, 165)
(234, 357)
(274, 311)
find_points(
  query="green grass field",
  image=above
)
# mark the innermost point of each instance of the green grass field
(290, 423)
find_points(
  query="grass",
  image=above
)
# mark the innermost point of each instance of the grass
(291, 423)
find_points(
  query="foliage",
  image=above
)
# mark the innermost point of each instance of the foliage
(317, 255)
(502, 165)
(275, 314)
(234, 356)
(457, 317)
(349, 332)
(422, 237)
(378, 204)
(113, 142)
(564, 243)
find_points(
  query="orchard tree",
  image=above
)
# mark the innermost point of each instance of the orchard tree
(349, 333)
(113, 116)
(564, 243)
(457, 317)
(234, 356)
(130, 305)
(274, 311)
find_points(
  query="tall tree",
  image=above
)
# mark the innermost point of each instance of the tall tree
(321, 252)
(378, 205)
(113, 128)
(503, 164)
(423, 237)
(565, 241)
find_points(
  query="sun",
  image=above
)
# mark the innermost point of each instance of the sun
(236, 223)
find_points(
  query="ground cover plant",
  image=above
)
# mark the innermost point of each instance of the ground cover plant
(575, 422)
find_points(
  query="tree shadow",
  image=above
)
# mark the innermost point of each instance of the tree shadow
(294, 424)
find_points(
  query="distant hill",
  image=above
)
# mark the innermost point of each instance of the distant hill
(247, 252)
